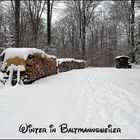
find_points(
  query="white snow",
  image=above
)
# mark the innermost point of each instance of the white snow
(18, 75)
(92, 97)
(20, 52)
(19, 69)
(121, 56)
(61, 60)
(13, 68)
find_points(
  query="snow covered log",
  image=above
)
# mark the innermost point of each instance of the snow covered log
(37, 64)
(66, 64)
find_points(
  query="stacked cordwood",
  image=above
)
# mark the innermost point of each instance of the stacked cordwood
(27, 64)
(66, 64)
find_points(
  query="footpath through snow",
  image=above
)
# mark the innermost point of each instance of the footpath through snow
(91, 98)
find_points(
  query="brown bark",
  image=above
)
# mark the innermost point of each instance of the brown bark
(36, 68)
(70, 65)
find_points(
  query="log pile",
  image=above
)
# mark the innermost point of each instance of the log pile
(70, 64)
(36, 66)
(26, 65)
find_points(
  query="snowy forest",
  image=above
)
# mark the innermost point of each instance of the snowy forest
(69, 69)
(95, 31)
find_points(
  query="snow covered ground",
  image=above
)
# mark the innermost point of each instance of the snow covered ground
(88, 98)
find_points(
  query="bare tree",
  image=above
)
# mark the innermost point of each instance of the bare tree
(82, 11)
(49, 17)
(132, 29)
(35, 9)
(17, 23)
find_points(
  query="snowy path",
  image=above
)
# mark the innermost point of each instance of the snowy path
(93, 97)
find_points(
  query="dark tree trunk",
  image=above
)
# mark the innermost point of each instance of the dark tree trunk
(35, 38)
(102, 35)
(83, 42)
(73, 42)
(17, 22)
(83, 31)
(48, 23)
(132, 30)
(79, 6)
(129, 31)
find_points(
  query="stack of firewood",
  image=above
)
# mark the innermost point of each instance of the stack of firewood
(37, 64)
(70, 64)
(36, 67)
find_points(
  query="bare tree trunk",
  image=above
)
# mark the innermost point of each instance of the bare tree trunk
(35, 9)
(48, 22)
(79, 7)
(83, 41)
(72, 41)
(83, 30)
(17, 22)
(129, 31)
(35, 34)
(102, 35)
(132, 30)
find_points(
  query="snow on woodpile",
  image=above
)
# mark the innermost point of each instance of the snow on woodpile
(27, 64)
(66, 64)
